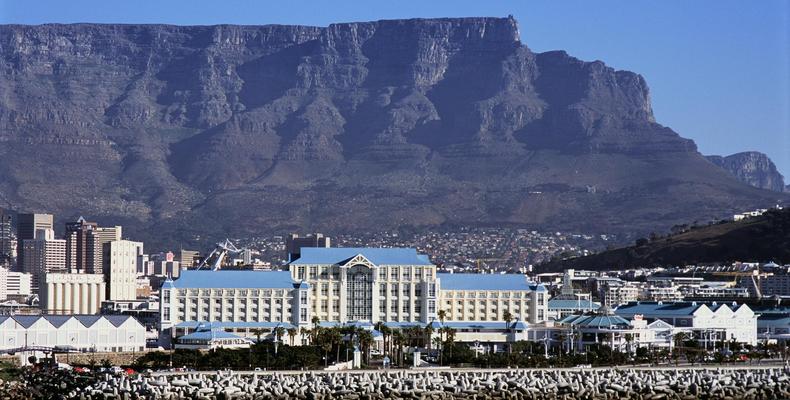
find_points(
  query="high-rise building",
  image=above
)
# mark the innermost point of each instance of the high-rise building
(26, 227)
(16, 283)
(43, 254)
(186, 258)
(85, 241)
(120, 269)
(294, 243)
(6, 251)
(101, 236)
(78, 250)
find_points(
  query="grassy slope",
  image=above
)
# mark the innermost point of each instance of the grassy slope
(762, 239)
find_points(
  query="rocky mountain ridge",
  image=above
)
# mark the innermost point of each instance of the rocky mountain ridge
(207, 131)
(753, 168)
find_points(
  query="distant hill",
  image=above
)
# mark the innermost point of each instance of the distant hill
(763, 238)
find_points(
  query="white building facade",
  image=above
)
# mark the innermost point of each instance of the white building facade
(43, 255)
(65, 293)
(120, 268)
(105, 333)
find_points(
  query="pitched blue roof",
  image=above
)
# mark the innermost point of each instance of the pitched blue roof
(582, 304)
(210, 334)
(57, 320)
(26, 320)
(479, 325)
(656, 308)
(485, 282)
(378, 256)
(596, 321)
(87, 320)
(229, 324)
(230, 279)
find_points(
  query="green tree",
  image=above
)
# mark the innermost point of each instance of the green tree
(258, 333)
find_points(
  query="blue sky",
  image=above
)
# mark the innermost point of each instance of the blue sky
(719, 71)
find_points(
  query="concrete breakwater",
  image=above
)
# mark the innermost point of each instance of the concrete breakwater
(644, 384)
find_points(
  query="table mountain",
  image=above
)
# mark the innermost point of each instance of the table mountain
(205, 131)
(753, 168)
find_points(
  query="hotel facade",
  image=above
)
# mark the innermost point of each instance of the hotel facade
(346, 285)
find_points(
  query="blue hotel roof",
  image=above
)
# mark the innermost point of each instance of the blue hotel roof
(486, 282)
(232, 325)
(205, 279)
(581, 304)
(378, 256)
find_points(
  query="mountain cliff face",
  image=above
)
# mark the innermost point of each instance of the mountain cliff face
(233, 130)
(752, 168)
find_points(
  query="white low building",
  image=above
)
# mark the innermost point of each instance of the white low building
(712, 322)
(99, 333)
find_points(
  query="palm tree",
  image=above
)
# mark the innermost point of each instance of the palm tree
(365, 341)
(258, 332)
(428, 331)
(507, 316)
(315, 320)
(292, 332)
(385, 333)
(450, 338)
(398, 338)
(305, 333)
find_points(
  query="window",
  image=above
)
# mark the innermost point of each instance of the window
(303, 314)
(406, 273)
(394, 289)
(406, 289)
(324, 305)
(166, 296)
(431, 306)
(336, 290)
(324, 289)
(418, 290)
(405, 308)
(394, 306)
(382, 274)
(313, 272)
(382, 307)
(418, 273)
(540, 299)
(300, 273)
(335, 305)
(432, 290)
(382, 290)
(303, 297)
(418, 308)
(394, 273)
(166, 313)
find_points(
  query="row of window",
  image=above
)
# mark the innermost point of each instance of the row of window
(233, 292)
(489, 294)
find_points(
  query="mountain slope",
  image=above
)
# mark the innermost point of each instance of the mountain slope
(753, 168)
(764, 238)
(206, 131)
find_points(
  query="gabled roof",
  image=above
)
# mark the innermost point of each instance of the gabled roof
(484, 282)
(57, 320)
(117, 320)
(230, 279)
(378, 256)
(26, 320)
(87, 320)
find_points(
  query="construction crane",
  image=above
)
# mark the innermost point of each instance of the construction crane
(217, 256)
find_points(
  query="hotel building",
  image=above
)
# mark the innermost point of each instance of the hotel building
(346, 285)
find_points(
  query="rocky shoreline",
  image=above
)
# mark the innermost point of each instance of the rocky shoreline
(569, 384)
